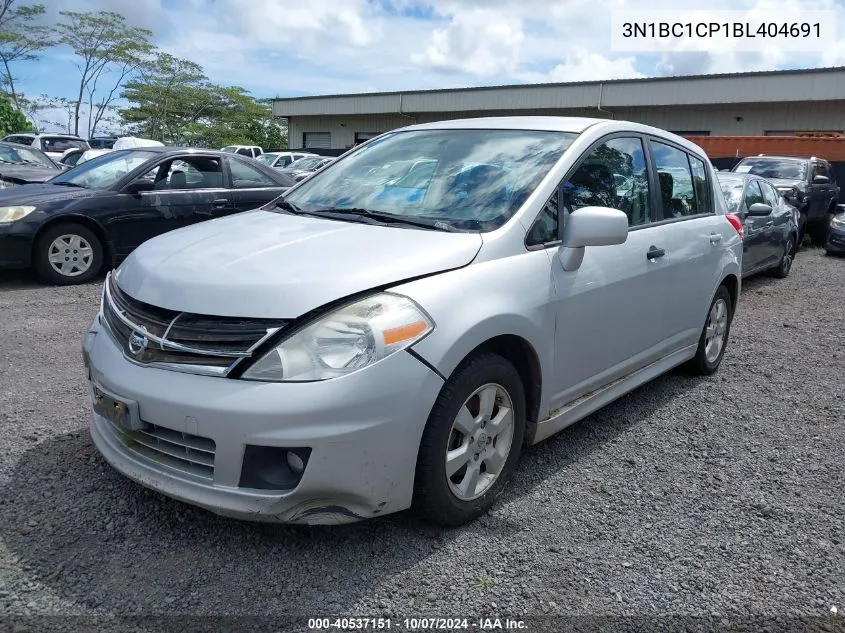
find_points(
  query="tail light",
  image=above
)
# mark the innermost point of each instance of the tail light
(737, 224)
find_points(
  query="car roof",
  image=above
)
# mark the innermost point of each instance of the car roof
(768, 156)
(575, 125)
(733, 175)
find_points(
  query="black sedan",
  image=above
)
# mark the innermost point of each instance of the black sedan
(770, 223)
(835, 243)
(94, 215)
(21, 165)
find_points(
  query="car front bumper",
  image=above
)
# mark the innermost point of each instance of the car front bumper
(15, 246)
(363, 430)
(835, 241)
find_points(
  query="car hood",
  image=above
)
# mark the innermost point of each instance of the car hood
(40, 194)
(263, 264)
(23, 174)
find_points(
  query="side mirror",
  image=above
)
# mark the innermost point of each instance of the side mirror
(591, 226)
(139, 186)
(758, 208)
(820, 180)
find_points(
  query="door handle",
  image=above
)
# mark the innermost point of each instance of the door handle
(770, 223)
(221, 203)
(654, 252)
(715, 238)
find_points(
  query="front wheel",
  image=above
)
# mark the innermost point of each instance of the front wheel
(781, 271)
(471, 443)
(714, 336)
(67, 254)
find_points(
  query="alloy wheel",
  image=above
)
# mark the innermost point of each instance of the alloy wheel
(479, 442)
(714, 334)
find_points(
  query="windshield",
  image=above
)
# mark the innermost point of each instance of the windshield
(472, 180)
(732, 190)
(24, 156)
(307, 164)
(267, 159)
(786, 168)
(230, 148)
(104, 171)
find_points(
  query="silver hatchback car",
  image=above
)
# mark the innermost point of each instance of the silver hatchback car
(395, 329)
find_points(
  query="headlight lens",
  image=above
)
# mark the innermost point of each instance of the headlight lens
(10, 214)
(5, 184)
(838, 221)
(346, 340)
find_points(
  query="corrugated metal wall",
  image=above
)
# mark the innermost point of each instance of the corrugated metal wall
(731, 120)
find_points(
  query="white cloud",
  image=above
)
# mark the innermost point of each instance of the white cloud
(583, 65)
(481, 42)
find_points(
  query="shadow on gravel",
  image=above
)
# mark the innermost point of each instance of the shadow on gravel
(95, 537)
(11, 280)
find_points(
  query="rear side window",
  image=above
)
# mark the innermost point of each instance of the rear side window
(677, 191)
(699, 181)
(59, 144)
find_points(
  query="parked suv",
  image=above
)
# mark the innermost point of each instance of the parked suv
(54, 145)
(806, 183)
(338, 354)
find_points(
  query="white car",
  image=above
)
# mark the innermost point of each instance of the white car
(253, 151)
(280, 160)
(54, 145)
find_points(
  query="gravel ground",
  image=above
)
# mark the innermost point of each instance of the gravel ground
(719, 497)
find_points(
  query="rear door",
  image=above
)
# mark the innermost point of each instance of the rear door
(251, 187)
(691, 235)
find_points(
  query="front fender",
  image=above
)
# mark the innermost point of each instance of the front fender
(472, 305)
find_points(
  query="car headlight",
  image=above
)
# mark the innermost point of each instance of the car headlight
(345, 340)
(5, 184)
(838, 221)
(10, 214)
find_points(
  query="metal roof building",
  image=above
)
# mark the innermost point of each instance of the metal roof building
(759, 103)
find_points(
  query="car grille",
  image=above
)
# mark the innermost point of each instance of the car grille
(184, 452)
(181, 341)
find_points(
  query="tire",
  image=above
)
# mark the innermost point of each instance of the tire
(818, 231)
(781, 271)
(437, 497)
(77, 241)
(703, 364)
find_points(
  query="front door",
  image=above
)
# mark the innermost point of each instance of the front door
(609, 320)
(186, 190)
(755, 245)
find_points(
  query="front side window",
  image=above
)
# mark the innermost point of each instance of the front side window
(247, 177)
(190, 172)
(675, 178)
(104, 171)
(474, 180)
(613, 175)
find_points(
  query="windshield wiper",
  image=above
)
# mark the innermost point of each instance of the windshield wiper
(385, 218)
(287, 206)
(67, 183)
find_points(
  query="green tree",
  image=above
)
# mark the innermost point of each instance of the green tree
(11, 119)
(21, 38)
(106, 47)
(174, 102)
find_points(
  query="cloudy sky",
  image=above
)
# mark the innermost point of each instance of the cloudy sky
(297, 47)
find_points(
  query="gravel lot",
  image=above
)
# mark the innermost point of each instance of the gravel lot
(718, 497)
